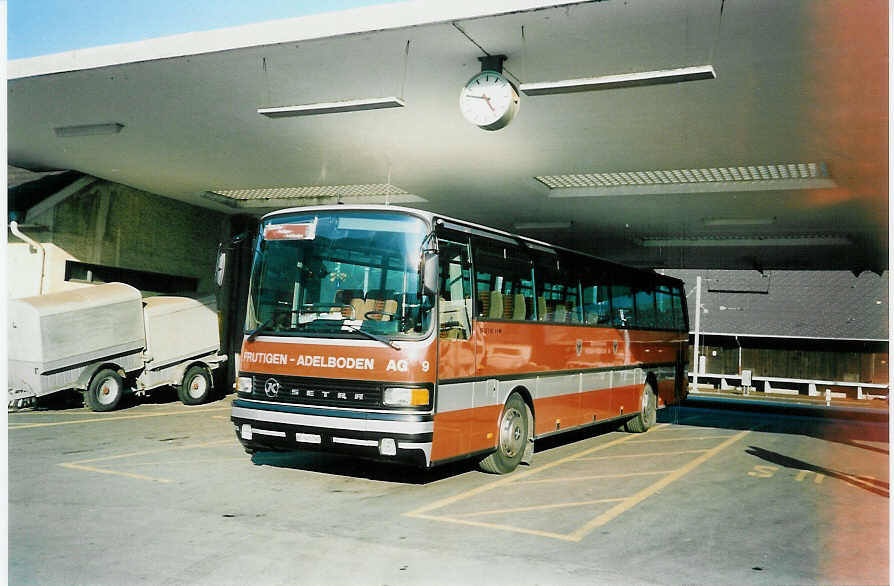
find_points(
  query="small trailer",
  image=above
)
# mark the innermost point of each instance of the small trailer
(107, 340)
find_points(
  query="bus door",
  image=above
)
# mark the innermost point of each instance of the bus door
(456, 359)
(456, 352)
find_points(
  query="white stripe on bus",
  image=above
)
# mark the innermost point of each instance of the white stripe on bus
(374, 425)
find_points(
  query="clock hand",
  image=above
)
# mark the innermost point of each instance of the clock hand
(486, 99)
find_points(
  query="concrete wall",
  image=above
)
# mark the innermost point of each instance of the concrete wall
(116, 225)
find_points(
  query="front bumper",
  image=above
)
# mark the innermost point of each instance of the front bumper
(392, 437)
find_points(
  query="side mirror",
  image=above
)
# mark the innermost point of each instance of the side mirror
(430, 275)
(220, 268)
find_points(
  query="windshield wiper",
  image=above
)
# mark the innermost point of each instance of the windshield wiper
(254, 333)
(370, 335)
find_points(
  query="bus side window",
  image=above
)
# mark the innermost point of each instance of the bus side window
(622, 306)
(664, 308)
(680, 321)
(645, 306)
(596, 297)
(504, 283)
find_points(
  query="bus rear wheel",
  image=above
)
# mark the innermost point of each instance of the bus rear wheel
(513, 438)
(647, 415)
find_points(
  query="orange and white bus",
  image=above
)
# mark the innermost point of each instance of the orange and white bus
(402, 335)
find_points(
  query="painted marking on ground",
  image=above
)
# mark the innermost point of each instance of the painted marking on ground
(650, 490)
(684, 439)
(539, 507)
(577, 478)
(523, 478)
(643, 455)
(512, 478)
(116, 418)
(81, 464)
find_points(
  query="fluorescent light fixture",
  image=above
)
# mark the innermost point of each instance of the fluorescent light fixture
(704, 180)
(738, 221)
(542, 225)
(623, 80)
(717, 241)
(88, 129)
(371, 193)
(332, 107)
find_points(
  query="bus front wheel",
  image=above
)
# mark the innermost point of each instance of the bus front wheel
(512, 440)
(646, 417)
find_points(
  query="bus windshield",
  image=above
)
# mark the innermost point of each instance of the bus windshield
(339, 274)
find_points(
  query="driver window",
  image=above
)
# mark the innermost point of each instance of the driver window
(455, 303)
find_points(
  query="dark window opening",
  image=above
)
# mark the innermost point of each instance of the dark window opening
(81, 272)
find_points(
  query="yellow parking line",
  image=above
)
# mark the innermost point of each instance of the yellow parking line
(177, 462)
(649, 491)
(115, 473)
(80, 464)
(524, 530)
(539, 507)
(624, 503)
(683, 439)
(567, 479)
(643, 455)
(510, 479)
(116, 418)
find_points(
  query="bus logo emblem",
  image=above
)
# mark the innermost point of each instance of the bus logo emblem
(271, 387)
(579, 346)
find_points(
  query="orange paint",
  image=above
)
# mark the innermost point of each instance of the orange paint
(413, 363)
(465, 431)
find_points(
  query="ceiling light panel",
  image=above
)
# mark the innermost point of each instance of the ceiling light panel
(313, 194)
(710, 179)
(332, 107)
(719, 241)
(88, 129)
(623, 80)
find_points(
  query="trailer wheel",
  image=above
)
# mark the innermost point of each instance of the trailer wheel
(196, 386)
(105, 391)
(647, 415)
(513, 438)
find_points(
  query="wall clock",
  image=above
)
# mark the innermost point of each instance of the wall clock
(489, 100)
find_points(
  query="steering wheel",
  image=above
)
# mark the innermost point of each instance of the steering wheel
(315, 306)
(382, 313)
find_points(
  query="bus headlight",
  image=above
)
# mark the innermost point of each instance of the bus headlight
(406, 397)
(243, 385)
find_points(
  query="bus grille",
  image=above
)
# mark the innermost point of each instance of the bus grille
(317, 391)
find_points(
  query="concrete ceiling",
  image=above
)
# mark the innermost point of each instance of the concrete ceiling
(802, 81)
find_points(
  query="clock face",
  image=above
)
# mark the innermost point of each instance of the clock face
(488, 100)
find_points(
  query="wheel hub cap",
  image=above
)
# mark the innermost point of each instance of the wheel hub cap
(511, 433)
(197, 387)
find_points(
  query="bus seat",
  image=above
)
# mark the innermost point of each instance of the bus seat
(519, 307)
(574, 315)
(359, 306)
(483, 303)
(541, 308)
(367, 306)
(561, 314)
(508, 304)
(389, 306)
(495, 305)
